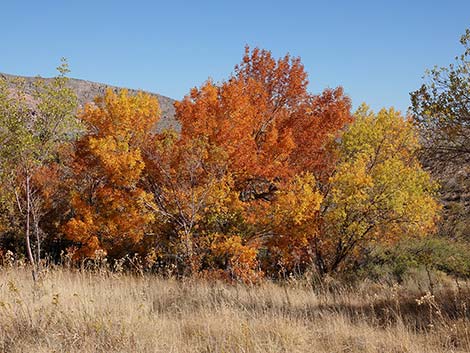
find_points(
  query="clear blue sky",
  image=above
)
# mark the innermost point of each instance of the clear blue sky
(377, 50)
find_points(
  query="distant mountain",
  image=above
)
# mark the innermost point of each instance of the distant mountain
(86, 91)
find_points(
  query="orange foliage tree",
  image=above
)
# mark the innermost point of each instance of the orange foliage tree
(279, 141)
(111, 212)
(265, 119)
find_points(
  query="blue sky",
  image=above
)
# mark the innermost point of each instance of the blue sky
(377, 50)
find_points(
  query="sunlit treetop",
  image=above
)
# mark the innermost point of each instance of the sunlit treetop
(264, 117)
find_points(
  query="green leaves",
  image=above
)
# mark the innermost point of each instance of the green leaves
(34, 121)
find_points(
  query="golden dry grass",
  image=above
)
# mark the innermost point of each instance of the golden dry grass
(75, 311)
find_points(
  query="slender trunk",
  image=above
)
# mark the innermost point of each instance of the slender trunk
(38, 241)
(318, 258)
(189, 253)
(28, 226)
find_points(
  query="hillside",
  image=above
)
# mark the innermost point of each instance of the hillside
(455, 197)
(87, 90)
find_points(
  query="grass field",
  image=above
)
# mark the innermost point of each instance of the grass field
(76, 311)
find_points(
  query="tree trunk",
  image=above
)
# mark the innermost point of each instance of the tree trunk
(28, 227)
(38, 239)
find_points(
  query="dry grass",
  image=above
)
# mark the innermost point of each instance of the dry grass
(73, 311)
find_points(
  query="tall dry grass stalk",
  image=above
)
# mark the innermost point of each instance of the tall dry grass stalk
(79, 311)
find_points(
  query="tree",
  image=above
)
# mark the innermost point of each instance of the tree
(194, 198)
(270, 130)
(33, 123)
(111, 212)
(266, 121)
(378, 193)
(442, 110)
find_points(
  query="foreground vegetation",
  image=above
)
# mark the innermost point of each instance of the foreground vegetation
(102, 311)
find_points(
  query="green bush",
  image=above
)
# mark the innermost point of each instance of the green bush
(432, 254)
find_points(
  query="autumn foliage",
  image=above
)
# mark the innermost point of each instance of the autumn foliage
(265, 178)
(264, 118)
(110, 210)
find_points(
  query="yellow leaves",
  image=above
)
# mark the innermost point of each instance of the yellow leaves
(222, 197)
(293, 218)
(130, 117)
(119, 125)
(121, 163)
(379, 190)
(299, 202)
(111, 210)
(380, 135)
(233, 245)
(242, 258)
(351, 182)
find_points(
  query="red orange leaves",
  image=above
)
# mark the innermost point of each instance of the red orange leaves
(265, 119)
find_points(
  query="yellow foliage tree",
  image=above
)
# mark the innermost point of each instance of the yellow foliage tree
(379, 191)
(111, 212)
